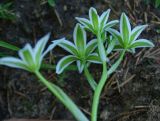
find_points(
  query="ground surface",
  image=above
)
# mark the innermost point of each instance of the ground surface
(133, 93)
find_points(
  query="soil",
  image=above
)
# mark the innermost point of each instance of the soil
(132, 92)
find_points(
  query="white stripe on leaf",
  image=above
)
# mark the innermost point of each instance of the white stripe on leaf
(64, 62)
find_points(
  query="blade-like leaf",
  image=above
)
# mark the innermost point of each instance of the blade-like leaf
(118, 47)
(91, 46)
(104, 18)
(51, 3)
(80, 66)
(110, 24)
(51, 46)
(8, 46)
(66, 45)
(136, 32)
(125, 29)
(116, 34)
(111, 45)
(141, 43)
(39, 48)
(86, 23)
(79, 36)
(94, 58)
(94, 18)
(27, 56)
(13, 62)
(64, 62)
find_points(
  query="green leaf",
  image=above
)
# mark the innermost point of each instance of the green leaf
(141, 43)
(39, 48)
(79, 36)
(110, 24)
(118, 47)
(66, 45)
(91, 46)
(13, 62)
(111, 45)
(136, 32)
(27, 57)
(52, 3)
(94, 58)
(6, 12)
(125, 29)
(157, 3)
(8, 46)
(94, 18)
(80, 65)
(116, 34)
(86, 23)
(64, 62)
(104, 18)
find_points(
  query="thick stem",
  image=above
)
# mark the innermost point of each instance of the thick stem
(90, 79)
(97, 93)
(60, 94)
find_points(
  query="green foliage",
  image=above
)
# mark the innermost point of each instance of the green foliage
(157, 3)
(8, 46)
(127, 38)
(30, 58)
(6, 12)
(83, 54)
(80, 51)
(52, 3)
(97, 25)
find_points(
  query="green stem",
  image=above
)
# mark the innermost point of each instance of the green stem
(101, 84)
(116, 64)
(90, 79)
(60, 94)
(97, 93)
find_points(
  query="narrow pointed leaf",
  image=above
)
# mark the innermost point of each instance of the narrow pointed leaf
(94, 58)
(116, 34)
(39, 48)
(13, 62)
(141, 43)
(111, 46)
(27, 56)
(51, 46)
(86, 23)
(91, 46)
(80, 66)
(110, 24)
(64, 62)
(104, 18)
(136, 32)
(118, 47)
(8, 46)
(79, 35)
(94, 18)
(125, 28)
(66, 45)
